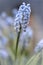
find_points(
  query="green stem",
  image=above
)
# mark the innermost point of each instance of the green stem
(17, 42)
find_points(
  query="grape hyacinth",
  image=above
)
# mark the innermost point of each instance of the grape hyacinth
(22, 17)
(22, 20)
(4, 53)
(39, 46)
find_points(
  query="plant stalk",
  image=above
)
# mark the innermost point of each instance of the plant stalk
(18, 37)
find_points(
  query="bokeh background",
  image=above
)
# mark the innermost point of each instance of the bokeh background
(8, 10)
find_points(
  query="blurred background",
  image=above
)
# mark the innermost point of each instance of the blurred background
(8, 36)
(36, 5)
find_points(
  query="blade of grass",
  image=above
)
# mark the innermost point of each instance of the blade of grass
(30, 60)
(33, 60)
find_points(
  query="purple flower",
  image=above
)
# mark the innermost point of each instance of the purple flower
(39, 46)
(22, 17)
(4, 53)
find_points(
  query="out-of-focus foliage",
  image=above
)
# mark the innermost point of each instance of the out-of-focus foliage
(36, 59)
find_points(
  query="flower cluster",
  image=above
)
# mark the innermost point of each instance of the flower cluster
(22, 17)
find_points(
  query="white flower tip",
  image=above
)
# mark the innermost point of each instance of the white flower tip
(28, 5)
(23, 3)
